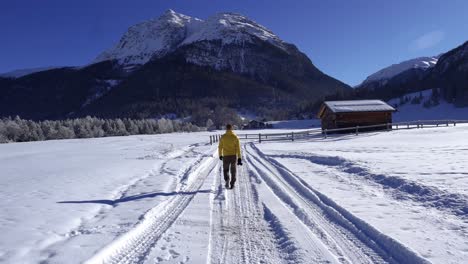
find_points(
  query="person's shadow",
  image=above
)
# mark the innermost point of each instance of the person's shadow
(133, 198)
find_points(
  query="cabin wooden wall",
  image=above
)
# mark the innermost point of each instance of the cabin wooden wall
(331, 120)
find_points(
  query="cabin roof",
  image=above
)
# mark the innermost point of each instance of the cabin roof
(352, 106)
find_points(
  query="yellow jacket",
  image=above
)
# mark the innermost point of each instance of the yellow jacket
(229, 145)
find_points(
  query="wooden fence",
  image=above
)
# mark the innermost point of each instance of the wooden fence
(318, 132)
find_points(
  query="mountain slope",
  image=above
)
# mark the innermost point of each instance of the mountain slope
(387, 73)
(425, 105)
(57, 93)
(449, 74)
(157, 37)
(24, 72)
(177, 64)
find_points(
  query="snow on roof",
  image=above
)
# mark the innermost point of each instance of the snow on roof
(358, 106)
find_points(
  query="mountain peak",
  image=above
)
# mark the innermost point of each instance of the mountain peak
(395, 69)
(174, 17)
(170, 11)
(157, 37)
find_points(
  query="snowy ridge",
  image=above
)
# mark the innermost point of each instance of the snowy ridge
(157, 37)
(395, 69)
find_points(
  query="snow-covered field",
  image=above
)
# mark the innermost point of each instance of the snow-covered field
(388, 197)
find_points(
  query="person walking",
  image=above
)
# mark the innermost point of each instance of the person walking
(229, 150)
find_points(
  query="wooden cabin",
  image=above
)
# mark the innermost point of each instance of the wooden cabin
(342, 114)
(254, 124)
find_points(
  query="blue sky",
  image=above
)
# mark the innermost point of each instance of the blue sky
(347, 40)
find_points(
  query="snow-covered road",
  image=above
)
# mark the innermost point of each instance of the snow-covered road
(161, 199)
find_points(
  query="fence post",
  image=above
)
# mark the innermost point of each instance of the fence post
(454, 123)
(259, 137)
(325, 133)
(357, 130)
(211, 140)
(422, 125)
(407, 124)
(388, 127)
(245, 136)
(292, 136)
(397, 127)
(447, 123)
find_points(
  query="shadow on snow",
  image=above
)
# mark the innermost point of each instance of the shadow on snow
(133, 198)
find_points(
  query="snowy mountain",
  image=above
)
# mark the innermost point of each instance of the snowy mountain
(389, 72)
(155, 38)
(222, 42)
(447, 72)
(181, 65)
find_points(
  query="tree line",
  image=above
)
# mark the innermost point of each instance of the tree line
(21, 130)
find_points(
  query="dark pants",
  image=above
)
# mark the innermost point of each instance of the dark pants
(229, 162)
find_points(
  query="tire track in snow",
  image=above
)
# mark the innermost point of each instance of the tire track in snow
(346, 235)
(239, 232)
(92, 224)
(133, 246)
(397, 187)
(285, 243)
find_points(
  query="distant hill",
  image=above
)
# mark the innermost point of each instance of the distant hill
(447, 72)
(24, 72)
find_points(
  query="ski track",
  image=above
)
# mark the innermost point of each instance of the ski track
(124, 193)
(398, 188)
(234, 224)
(92, 224)
(347, 236)
(244, 229)
(133, 246)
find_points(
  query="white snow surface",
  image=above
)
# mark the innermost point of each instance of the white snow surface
(410, 185)
(295, 124)
(156, 37)
(385, 197)
(347, 106)
(395, 69)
